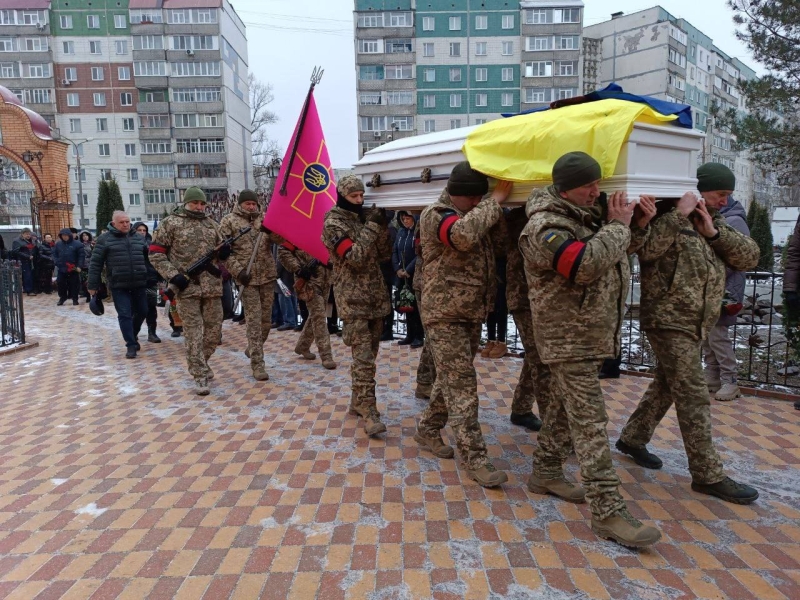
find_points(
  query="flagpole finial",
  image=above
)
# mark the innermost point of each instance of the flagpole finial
(316, 75)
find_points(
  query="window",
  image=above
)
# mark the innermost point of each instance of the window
(99, 98)
(158, 171)
(566, 93)
(133, 174)
(481, 99)
(126, 99)
(195, 69)
(205, 94)
(148, 42)
(507, 99)
(93, 21)
(102, 124)
(430, 125)
(481, 74)
(481, 22)
(159, 196)
(75, 126)
(403, 123)
(428, 23)
(94, 48)
(128, 124)
(37, 44)
(66, 21)
(400, 19)
(567, 42)
(398, 98)
(679, 35)
(539, 69)
(373, 123)
(369, 46)
(678, 82)
(134, 199)
(370, 99)
(398, 71)
(191, 120)
(370, 20)
(124, 73)
(130, 150)
(533, 95)
(9, 70)
(38, 96)
(430, 75)
(538, 16)
(97, 74)
(8, 44)
(427, 49)
(508, 74)
(150, 67)
(121, 46)
(69, 47)
(77, 150)
(508, 22)
(85, 199)
(567, 68)
(480, 48)
(146, 16)
(455, 123)
(104, 149)
(567, 15)
(156, 148)
(82, 175)
(534, 44)
(455, 48)
(480, 121)
(455, 74)
(31, 17)
(201, 146)
(153, 121)
(36, 71)
(508, 48)
(398, 46)
(677, 58)
(429, 101)
(455, 100)
(455, 23)
(120, 22)
(73, 100)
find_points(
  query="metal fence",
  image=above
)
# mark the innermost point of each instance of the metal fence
(12, 316)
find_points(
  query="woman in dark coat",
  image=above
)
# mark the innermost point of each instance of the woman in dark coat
(404, 259)
(153, 279)
(45, 264)
(24, 250)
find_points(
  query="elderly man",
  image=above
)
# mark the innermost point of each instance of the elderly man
(577, 269)
(459, 292)
(123, 253)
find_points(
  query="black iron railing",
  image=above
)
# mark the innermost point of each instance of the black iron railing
(12, 315)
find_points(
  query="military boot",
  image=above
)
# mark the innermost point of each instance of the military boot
(209, 372)
(434, 444)
(487, 349)
(307, 354)
(373, 425)
(727, 392)
(641, 456)
(328, 363)
(728, 490)
(488, 476)
(260, 373)
(423, 391)
(624, 529)
(201, 386)
(527, 420)
(557, 487)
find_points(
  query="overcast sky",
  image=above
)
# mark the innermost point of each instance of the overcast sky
(287, 38)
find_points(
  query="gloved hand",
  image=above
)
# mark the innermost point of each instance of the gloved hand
(180, 281)
(224, 252)
(792, 301)
(263, 229)
(169, 295)
(377, 215)
(244, 278)
(303, 273)
(213, 270)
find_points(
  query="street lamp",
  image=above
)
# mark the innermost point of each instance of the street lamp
(77, 145)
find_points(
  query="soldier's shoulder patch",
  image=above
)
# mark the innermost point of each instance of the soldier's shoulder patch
(554, 239)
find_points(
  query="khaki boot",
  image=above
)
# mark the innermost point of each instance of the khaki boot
(434, 444)
(355, 410)
(209, 373)
(488, 476)
(247, 352)
(201, 386)
(329, 363)
(727, 392)
(487, 350)
(373, 425)
(307, 354)
(499, 351)
(260, 373)
(557, 487)
(423, 392)
(624, 529)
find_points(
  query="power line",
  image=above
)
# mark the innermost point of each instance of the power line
(296, 17)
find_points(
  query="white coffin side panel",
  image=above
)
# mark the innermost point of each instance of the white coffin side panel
(659, 160)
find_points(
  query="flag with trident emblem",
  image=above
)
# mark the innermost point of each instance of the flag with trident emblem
(305, 189)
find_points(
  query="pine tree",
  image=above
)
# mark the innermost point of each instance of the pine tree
(751, 214)
(761, 232)
(115, 196)
(104, 209)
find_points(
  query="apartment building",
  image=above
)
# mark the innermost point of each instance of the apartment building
(151, 92)
(444, 64)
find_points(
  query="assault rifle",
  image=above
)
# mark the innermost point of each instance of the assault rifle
(204, 262)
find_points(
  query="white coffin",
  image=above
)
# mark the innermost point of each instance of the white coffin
(659, 160)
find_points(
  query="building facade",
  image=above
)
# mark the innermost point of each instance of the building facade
(150, 92)
(445, 64)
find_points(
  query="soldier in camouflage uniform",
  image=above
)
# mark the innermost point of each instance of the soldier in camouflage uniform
(683, 282)
(578, 275)
(426, 370)
(182, 238)
(316, 278)
(259, 283)
(458, 292)
(358, 241)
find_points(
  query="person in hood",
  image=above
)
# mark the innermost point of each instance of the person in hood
(45, 264)
(70, 260)
(153, 279)
(88, 245)
(123, 253)
(23, 249)
(404, 261)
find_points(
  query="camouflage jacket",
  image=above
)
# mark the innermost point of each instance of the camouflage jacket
(459, 280)
(356, 252)
(516, 283)
(181, 239)
(683, 274)
(420, 264)
(578, 274)
(293, 259)
(263, 271)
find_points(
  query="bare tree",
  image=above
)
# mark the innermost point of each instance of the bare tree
(261, 117)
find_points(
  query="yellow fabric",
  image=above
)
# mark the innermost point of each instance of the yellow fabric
(525, 147)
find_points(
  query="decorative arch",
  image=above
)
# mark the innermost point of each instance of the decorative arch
(37, 183)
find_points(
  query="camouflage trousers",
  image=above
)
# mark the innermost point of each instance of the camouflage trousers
(455, 392)
(202, 331)
(678, 379)
(364, 338)
(426, 369)
(578, 413)
(257, 302)
(315, 328)
(534, 378)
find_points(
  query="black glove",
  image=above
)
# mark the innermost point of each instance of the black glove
(213, 270)
(170, 295)
(180, 281)
(263, 229)
(377, 215)
(244, 278)
(224, 252)
(304, 273)
(792, 301)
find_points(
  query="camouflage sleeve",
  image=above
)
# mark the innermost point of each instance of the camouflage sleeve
(234, 263)
(359, 251)
(288, 258)
(638, 238)
(274, 238)
(584, 262)
(159, 248)
(384, 245)
(739, 251)
(662, 234)
(465, 233)
(498, 235)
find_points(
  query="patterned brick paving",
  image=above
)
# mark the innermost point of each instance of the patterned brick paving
(117, 482)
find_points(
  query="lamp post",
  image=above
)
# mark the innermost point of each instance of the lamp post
(77, 145)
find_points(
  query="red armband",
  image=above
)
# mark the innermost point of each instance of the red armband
(449, 219)
(568, 258)
(342, 246)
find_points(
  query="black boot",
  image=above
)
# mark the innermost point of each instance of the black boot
(527, 420)
(728, 490)
(61, 302)
(641, 456)
(176, 332)
(152, 337)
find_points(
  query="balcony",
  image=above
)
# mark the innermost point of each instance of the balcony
(203, 182)
(192, 29)
(152, 108)
(198, 55)
(152, 183)
(147, 28)
(148, 55)
(195, 81)
(42, 109)
(199, 132)
(24, 30)
(151, 82)
(157, 159)
(155, 133)
(551, 29)
(219, 158)
(197, 107)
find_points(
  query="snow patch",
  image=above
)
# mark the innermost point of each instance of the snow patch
(91, 510)
(58, 482)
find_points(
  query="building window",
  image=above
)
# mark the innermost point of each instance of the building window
(159, 171)
(69, 47)
(156, 148)
(455, 123)
(104, 149)
(75, 126)
(428, 23)
(126, 99)
(370, 20)
(507, 99)
(400, 19)
(480, 121)
(8, 44)
(9, 70)
(85, 198)
(370, 99)
(480, 48)
(567, 68)
(398, 71)
(146, 16)
(82, 175)
(37, 96)
(508, 22)
(99, 98)
(94, 48)
(370, 72)
(71, 74)
(566, 93)
(455, 48)
(93, 21)
(134, 199)
(77, 150)
(73, 100)
(481, 74)
(120, 22)
(455, 74)
(124, 73)
(567, 42)
(206, 94)
(121, 46)
(150, 68)
(195, 69)
(430, 125)
(539, 69)
(535, 44)
(508, 48)
(429, 101)
(133, 174)
(153, 121)
(481, 99)
(508, 74)
(128, 124)
(36, 71)
(373, 123)
(370, 46)
(455, 100)
(428, 49)
(455, 23)
(392, 98)
(159, 196)
(148, 42)
(97, 74)
(403, 123)
(481, 22)
(130, 150)
(430, 75)
(399, 46)
(102, 124)
(66, 21)
(677, 58)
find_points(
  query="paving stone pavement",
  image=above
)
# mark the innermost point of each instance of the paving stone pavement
(116, 481)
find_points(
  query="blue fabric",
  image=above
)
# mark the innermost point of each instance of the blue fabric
(615, 92)
(71, 251)
(131, 306)
(288, 309)
(404, 253)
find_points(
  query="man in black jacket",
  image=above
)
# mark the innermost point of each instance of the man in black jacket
(123, 253)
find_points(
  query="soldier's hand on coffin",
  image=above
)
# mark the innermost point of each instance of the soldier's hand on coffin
(377, 215)
(619, 209)
(644, 211)
(502, 191)
(687, 203)
(263, 229)
(703, 222)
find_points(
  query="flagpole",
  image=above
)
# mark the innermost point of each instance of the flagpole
(316, 77)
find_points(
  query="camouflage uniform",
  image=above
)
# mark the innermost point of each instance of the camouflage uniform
(578, 274)
(356, 251)
(258, 294)
(315, 327)
(182, 238)
(426, 369)
(458, 289)
(683, 282)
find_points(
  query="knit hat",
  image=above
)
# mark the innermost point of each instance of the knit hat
(25, 230)
(349, 184)
(194, 194)
(247, 196)
(713, 177)
(466, 181)
(575, 169)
